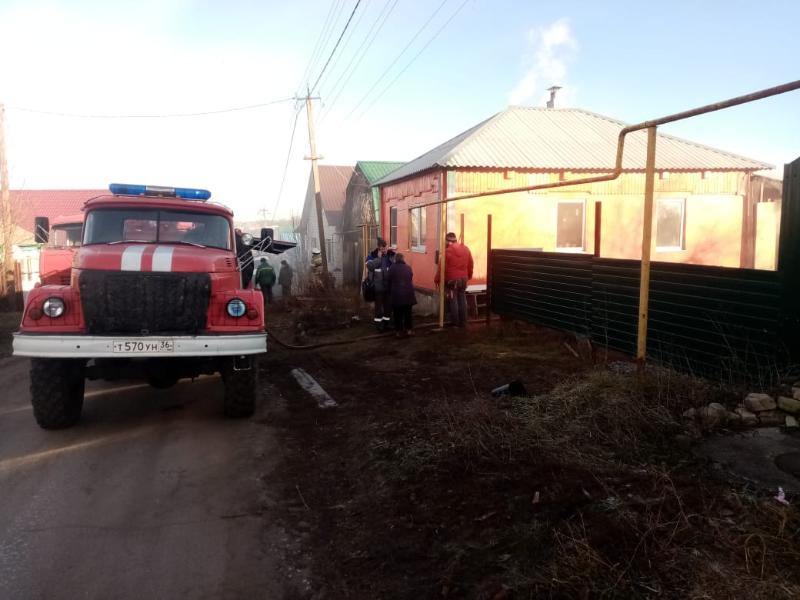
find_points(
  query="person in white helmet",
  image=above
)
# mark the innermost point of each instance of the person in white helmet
(317, 282)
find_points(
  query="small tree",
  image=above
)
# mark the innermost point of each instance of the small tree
(6, 222)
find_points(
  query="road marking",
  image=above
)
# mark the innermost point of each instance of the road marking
(14, 410)
(123, 388)
(162, 258)
(10, 464)
(132, 258)
(312, 387)
(136, 386)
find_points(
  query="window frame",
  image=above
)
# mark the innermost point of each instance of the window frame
(423, 228)
(582, 203)
(393, 225)
(682, 232)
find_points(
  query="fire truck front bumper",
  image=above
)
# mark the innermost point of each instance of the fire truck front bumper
(120, 346)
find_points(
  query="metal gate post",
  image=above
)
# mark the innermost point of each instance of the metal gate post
(647, 235)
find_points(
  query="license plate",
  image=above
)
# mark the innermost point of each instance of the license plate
(143, 346)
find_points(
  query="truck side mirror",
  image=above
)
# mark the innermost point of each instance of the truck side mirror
(267, 233)
(41, 229)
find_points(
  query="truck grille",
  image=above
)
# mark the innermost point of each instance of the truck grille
(144, 303)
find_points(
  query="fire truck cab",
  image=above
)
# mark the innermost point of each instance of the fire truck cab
(155, 292)
(61, 237)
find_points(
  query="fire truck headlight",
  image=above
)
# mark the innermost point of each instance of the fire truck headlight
(236, 308)
(53, 307)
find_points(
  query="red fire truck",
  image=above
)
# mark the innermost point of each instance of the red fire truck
(155, 292)
(62, 237)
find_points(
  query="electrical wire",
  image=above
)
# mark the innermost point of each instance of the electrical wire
(317, 46)
(416, 56)
(346, 43)
(286, 164)
(150, 116)
(397, 58)
(358, 56)
(341, 35)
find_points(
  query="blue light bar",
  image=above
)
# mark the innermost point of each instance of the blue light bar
(125, 189)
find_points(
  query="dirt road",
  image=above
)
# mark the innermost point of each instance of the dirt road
(152, 495)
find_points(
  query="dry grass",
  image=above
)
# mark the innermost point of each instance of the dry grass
(623, 513)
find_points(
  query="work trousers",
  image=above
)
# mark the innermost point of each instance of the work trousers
(266, 290)
(383, 309)
(402, 318)
(286, 291)
(457, 300)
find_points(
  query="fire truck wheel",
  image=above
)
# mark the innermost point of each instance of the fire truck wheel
(57, 391)
(240, 390)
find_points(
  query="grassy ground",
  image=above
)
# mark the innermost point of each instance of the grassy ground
(421, 485)
(9, 322)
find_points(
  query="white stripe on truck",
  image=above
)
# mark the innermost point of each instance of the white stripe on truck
(162, 258)
(132, 258)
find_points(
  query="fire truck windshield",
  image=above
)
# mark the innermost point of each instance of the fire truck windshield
(113, 225)
(65, 236)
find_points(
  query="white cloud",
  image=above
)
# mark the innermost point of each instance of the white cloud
(551, 49)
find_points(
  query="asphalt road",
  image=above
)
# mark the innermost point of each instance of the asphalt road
(152, 495)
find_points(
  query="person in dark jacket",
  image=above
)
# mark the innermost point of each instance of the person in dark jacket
(265, 279)
(378, 263)
(457, 272)
(400, 283)
(245, 255)
(285, 279)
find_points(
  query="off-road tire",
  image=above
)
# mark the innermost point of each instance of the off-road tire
(57, 386)
(241, 389)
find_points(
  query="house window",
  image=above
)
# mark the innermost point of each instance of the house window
(570, 226)
(671, 213)
(418, 229)
(393, 225)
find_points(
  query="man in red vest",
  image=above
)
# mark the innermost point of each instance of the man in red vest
(458, 271)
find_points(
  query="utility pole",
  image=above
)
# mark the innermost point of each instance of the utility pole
(312, 140)
(5, 204)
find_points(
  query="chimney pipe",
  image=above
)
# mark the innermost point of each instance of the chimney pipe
(552, 102)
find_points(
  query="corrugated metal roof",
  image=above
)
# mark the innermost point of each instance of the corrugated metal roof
(374, 170)
(28, 204)
(333, 180)
(571, 139)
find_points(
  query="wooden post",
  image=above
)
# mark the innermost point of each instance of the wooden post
(461, 231)
(647, 236)
(598, 225)
(488, 269)
(312, 140)
(442, 235)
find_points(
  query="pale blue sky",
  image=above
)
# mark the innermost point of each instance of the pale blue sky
(628, 60)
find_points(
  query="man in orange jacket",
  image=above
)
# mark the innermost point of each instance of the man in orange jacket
(458, 271)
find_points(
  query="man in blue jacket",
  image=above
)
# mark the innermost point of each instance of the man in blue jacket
(378, 263)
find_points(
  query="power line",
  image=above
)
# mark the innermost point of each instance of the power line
(416, 56)
(341, 35)
(143, 116)
(286, 165)
(358, 56)
(398, 57)
(317, 46)
(324, 80)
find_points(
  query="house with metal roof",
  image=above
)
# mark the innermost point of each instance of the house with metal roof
(26, 205)
(361, 217)
(711, 206)
(333, 180)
